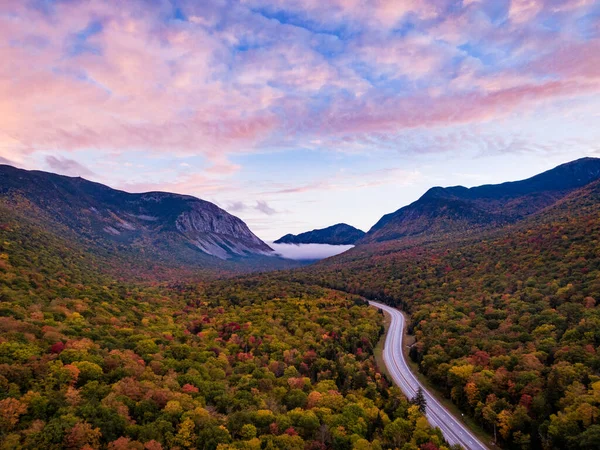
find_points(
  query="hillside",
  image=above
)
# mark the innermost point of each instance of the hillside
(339, 234)
(90, 362)
(506, 322)
(156, 226)
(460, 210)
(505, 318)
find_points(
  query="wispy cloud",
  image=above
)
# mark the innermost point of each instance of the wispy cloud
(353, 181)
(264, 208)
(261, 206)
(236, 207)
(6, 161)
(232, 75)
(67, 166)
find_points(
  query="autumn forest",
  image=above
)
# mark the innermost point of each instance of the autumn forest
(100, 348)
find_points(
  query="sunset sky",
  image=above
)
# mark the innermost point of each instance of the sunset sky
(298, 114)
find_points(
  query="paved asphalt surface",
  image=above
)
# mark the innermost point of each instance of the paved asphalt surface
(454, 431)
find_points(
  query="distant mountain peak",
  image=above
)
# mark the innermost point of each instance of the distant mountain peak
(338, 234)
(460, 209)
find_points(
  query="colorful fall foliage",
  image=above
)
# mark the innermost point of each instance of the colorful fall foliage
(506, 322)
(87, 362)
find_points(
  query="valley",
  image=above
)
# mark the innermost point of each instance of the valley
(97, 352)
(89, 362)
(299, 225)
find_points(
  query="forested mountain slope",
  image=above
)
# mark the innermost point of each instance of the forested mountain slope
(463, 210)
(178, 228)
(506, 323)
(88, 362)
(81, 216)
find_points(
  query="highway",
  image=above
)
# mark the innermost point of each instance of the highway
(454, 431)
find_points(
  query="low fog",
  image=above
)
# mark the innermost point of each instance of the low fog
(302, 252)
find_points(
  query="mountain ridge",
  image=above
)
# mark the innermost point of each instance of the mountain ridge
(523, 296)
(338, 234)
(148, 220)
(459, 209)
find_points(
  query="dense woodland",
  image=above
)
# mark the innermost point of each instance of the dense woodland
(506, 324)
(253, 363)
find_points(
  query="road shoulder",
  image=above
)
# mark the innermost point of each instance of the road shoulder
(378, 351)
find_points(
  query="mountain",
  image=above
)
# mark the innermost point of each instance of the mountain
(498, 316)
(461, 209)
(340, 234)
(90, 360)
(156, 224)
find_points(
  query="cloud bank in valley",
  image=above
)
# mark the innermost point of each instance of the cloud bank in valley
(306, 252)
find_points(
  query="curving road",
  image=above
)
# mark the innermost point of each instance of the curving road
(454, 431)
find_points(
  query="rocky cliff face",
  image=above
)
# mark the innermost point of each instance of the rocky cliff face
(218, 233)
(169, 224)
(211, 219)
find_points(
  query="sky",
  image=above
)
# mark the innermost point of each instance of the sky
(299, 114)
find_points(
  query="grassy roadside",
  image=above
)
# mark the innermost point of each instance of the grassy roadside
(408, 340)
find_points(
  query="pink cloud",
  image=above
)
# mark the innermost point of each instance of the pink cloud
(185, 87)
(376, 13)
(413, 56)
(524, 10)
(573, 60)
(423, 111)
(152, 87)
(68, 166)
(190, 184)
